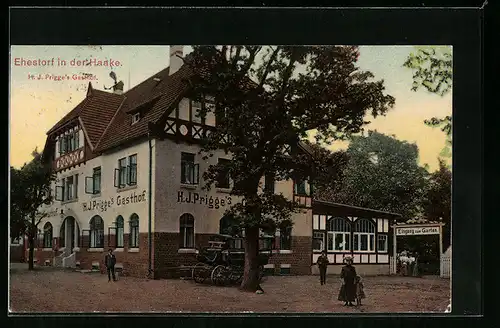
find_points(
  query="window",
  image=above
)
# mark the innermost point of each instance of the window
(364, 235)
(286, 238)
(223, 180)
(196, 107)
(382, 243)
(119, 231)
(96, 232)
(47, 235)
(300, 188)
(132, 177)
(186, 227)
(135, 118)
(126, 173)
(318, 241)
(269, 183)
(189, 170)
(134, 231)
(68, 190)
(93, 183)
(122, 166)
(69, 142)
(339, 234)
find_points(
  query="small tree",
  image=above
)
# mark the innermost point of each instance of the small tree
(433, 69)
(30, 190)
(266, 99)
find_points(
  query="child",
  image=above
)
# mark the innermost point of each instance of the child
(360, 293)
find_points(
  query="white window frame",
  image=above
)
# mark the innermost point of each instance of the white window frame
(338, 226)
(384, 238)
(136, 118)
(184, 229)
(364, 228)
(323, 240)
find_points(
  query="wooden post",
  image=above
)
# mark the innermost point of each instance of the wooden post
(441, 250)
(394, 251)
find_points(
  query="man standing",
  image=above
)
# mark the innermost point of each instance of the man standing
(110, 261)
(322, 265)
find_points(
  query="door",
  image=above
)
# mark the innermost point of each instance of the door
(71, 234)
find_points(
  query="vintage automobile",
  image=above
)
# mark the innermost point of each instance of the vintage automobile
(223, 260)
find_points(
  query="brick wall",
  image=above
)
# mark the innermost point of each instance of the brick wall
(299, 258)
(167, 256)
(134, 263)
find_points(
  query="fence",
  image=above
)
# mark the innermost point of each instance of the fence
(445, 268)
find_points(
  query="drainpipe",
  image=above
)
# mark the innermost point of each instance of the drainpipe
(150, 239)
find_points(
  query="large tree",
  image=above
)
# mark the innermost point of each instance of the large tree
(329, 170)
(433, 70)
(29, 191)
(436, 203)
(383, 174)
(266, 98)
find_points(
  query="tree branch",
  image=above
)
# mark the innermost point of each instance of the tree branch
(268, 66)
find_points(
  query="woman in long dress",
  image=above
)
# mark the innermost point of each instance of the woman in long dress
(348, 275)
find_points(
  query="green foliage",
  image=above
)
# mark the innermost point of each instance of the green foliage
(267, 98)
(30, 190)
(433, 69)
(436, 203)
(382, 173)
(328, 170)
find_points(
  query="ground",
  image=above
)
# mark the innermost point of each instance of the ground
(50, 290)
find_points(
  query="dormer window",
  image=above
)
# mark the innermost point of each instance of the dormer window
(135, 118)
(69, 141)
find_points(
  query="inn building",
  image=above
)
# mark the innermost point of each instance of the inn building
(129, 177)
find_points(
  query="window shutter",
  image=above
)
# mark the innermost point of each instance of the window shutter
(59, 193)
(117, 178)
(196, 174)
(75, 185)
(133, 174)
(89, 185)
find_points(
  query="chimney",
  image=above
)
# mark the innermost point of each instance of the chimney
(175, 61)
(118, 88)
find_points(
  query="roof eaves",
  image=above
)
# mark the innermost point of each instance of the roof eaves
(322, 202)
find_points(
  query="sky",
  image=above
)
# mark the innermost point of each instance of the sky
(37, 104)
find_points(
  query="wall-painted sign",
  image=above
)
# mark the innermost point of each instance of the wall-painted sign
(209, 201)
(102, 205)
(413, 231)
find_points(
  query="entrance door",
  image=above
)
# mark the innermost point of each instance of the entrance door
(71, 234)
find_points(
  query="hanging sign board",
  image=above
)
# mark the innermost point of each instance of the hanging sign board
(416, 231)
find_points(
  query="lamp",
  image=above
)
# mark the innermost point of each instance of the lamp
(62, 214)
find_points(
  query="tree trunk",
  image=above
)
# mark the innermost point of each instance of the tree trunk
(32, 238)
(31, 252)
(251, 281)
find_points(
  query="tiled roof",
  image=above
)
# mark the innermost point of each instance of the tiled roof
(95, 111)
(164, 93)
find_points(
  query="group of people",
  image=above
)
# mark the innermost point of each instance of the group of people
(408, 264)
(351, 289)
